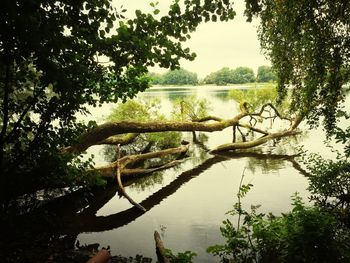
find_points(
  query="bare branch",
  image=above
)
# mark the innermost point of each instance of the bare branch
(120, 185)
(242, 135)
(109, 129)
(207, 118)
(249, 127)
(253, 143)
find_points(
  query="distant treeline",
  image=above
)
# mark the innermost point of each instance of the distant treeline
(223, 76)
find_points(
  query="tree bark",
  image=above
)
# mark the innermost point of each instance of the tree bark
(104, 131)
(160, 249)
(112, 140)
(253, 143)
(107, 171)
(109, 133)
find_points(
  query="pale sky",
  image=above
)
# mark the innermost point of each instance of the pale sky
(217, 45)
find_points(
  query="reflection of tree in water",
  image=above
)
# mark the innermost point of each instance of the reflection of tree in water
(276, 148)
(198, 154)
(66, 217)
(266, 165)
(222, 95)
(177, 95)
(147, 182)
(199, 151)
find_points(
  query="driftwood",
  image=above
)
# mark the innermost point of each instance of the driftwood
(160, 249)
(102, 256)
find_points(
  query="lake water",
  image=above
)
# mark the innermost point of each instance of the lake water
(187, 204)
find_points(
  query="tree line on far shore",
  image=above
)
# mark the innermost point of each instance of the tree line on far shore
(224, 76)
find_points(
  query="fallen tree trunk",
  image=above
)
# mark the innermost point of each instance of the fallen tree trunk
(108, 133)
(108, 171)
(112, 140)
(111, 133)
(109, 129)
(253, 143)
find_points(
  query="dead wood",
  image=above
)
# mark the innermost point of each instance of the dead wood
(112, 140)
(120, 185)
(109, 133)
(102, 256)
(107, 171)
(104, 131)
(253, 143)
(144, 171)
(160, 249)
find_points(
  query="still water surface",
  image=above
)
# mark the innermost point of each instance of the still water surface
(187, 204)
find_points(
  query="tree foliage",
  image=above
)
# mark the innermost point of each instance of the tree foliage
(257, 97)
(243, 75)
(265, 74)
(175, 77)
(143, 111)
(57, 57)
(308, 43)
(306, 234)
(190, 108)
(226, 75)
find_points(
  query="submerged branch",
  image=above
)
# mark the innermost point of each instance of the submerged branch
(109, 129)
(120, 185)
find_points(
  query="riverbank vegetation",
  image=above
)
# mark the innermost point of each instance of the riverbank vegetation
(222, 77)
(174, 77)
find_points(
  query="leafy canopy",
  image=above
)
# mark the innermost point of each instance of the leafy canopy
(58, 57)
(265, 74)
(258, 96)
(226, 75)
(175, 77)
(308, 43)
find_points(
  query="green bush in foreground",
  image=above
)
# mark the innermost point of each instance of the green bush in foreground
(306, 234)
(181, 257)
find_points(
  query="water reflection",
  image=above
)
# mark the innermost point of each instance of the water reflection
(76, 213)
(67, 217)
